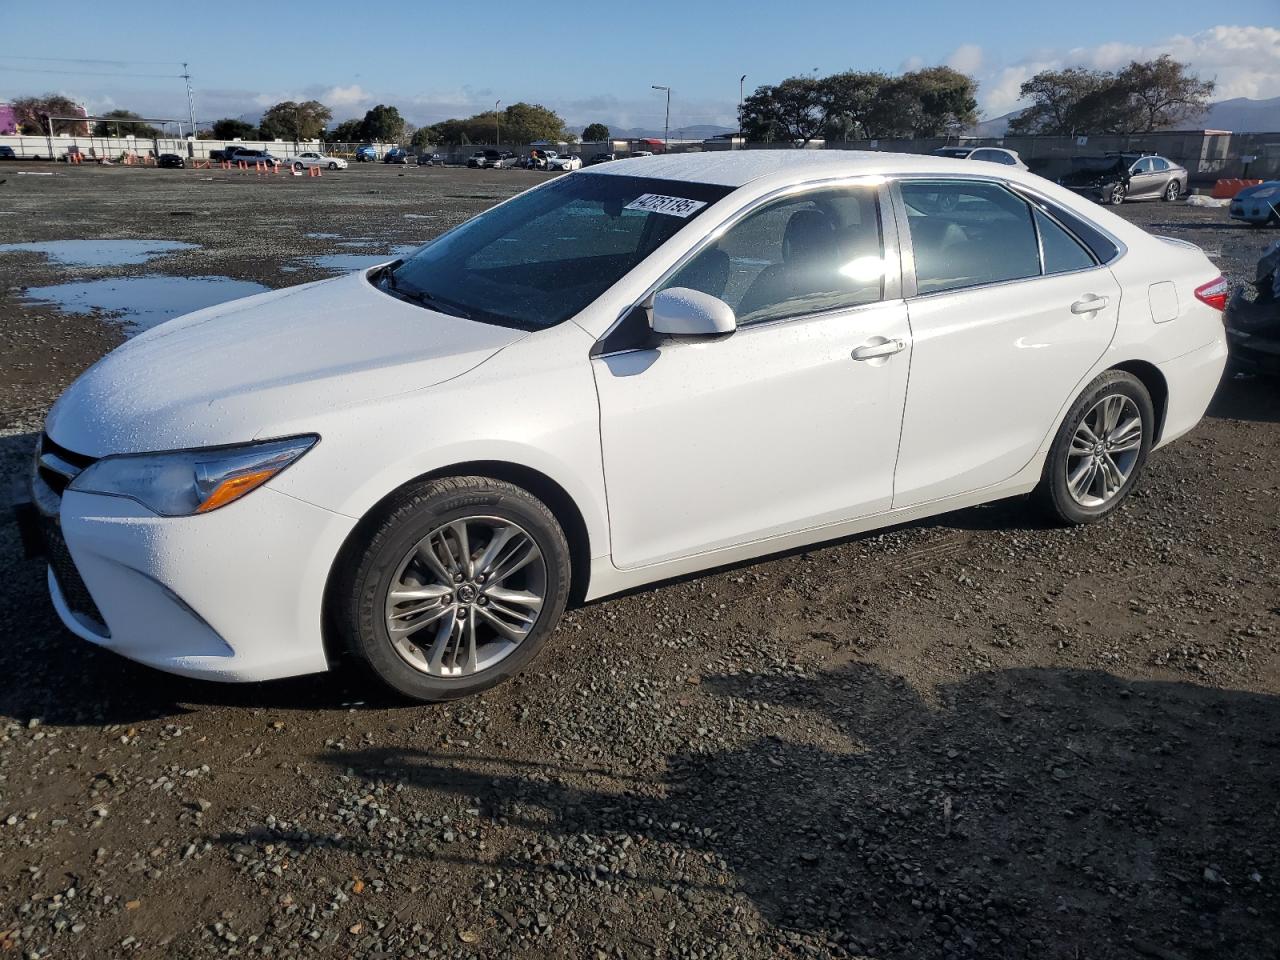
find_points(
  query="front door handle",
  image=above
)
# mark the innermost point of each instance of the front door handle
(871, 351)
(1088, 304)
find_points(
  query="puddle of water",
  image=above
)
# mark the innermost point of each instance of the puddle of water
(346, 262)
(323, 236)
(421, 216)
(100, 253)
(140, 303)
(360, 242)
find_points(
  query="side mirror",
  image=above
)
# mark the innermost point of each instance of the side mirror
(681, 312)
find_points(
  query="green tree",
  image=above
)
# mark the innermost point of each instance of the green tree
(1144, 96)
(289, 120)
(1163, 93)
(795, 110)
(230, 128)
(348, 131)
(527, 122)
(31, 114)
(422, 138)
(941, 99)
(382, 124)
(117, 125)
(595, 133)
(1056, 96)
(851, 101)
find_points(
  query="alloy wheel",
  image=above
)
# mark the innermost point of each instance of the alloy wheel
(466, 596)
(1118, 193)
(1104, 450)
(1173, 191)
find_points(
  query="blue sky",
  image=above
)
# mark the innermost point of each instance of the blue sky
(590, 59)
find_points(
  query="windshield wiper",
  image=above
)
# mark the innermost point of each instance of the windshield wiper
(424, 299)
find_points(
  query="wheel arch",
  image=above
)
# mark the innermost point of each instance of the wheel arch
(558, 500)
(1151, 377)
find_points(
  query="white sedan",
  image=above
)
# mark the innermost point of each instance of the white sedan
(312, 158)
(623, 375)
(563, 162)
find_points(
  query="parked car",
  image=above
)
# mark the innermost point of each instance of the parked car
(314, 158)
(396, 155)
(1009, 158)
(752, 288)
(430, 160)
(1117, 177)
(366, 153)
(253, 157)
(1253, 319)
(172, 160)
(1258, 205)
(565, 163)
(6, 153)
(602, 158)
(492, 159)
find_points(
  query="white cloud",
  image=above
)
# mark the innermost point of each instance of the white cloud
(339, 97)
(967, 58)
(1244, 62)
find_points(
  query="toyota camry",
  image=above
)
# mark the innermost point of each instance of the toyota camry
(629, 373)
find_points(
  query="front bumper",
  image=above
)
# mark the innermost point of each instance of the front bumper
(1252, 211)
(232, 595)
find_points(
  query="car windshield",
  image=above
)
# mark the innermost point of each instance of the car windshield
(540, 258)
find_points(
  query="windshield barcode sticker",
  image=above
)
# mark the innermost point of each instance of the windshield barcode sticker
(672, 206)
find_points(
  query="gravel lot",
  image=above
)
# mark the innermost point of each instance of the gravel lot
(972, 737)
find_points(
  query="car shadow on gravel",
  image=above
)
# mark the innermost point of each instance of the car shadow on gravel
(1255, 399)
(1022, 813)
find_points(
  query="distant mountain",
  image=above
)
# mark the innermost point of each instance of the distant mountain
(1240, 115)
(697, 131)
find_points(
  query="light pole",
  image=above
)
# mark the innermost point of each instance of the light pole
(666, 126)
(497, 130)
(741, 80)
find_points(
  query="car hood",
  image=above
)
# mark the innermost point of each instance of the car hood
(1257, 188)
(230, 373)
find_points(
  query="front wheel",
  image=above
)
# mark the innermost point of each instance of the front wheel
(1118, 193)
(1173, 191)
(1099, 451)
(455, 587)
(333, 166)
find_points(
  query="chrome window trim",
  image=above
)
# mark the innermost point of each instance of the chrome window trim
(889, 244)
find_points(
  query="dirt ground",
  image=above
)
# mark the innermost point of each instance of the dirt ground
(971, 737)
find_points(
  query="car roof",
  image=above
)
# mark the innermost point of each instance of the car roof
(734, 168)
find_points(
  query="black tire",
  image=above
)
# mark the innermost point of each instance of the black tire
(1052, 496)
(1118, 194)
(369, 566)
(1173, 191)
(333, 166)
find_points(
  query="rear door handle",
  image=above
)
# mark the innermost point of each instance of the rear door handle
(1088, 304)
(870, 351)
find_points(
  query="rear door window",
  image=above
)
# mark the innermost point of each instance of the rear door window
(964, 234)
(1062, 253)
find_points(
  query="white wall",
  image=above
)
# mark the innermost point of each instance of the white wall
(113, 147)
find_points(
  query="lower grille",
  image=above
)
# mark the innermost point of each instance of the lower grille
(69, 580)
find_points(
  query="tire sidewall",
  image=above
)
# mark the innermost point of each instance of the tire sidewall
(1054, 481)
(437, 504)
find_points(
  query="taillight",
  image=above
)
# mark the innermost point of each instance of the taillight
(1213, 293)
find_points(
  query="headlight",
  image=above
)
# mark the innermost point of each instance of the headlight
(186, 482)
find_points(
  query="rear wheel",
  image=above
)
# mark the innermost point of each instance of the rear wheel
(455, 588)
(1099, 451)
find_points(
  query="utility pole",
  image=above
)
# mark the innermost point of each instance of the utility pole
(741, 81)
(666, 126)
(191, 104)
(497, 130)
